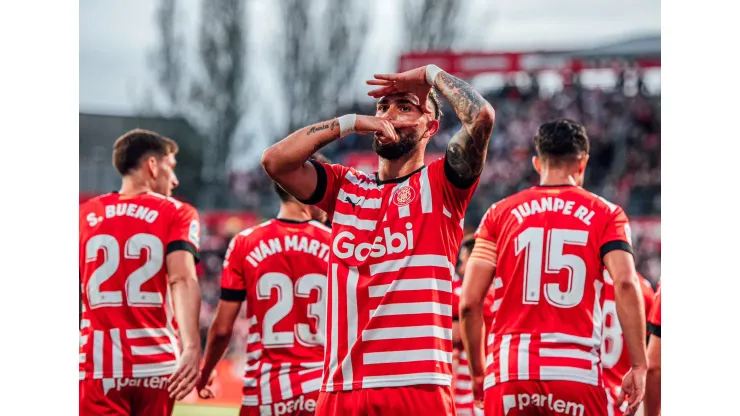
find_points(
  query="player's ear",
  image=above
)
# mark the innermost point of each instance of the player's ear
(432, 127)
(537, 164)
(582, 165)
(151, 164)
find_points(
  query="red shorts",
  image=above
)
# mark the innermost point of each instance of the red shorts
(525, 398)
(126, 396)
(425, 400)
(303, 405)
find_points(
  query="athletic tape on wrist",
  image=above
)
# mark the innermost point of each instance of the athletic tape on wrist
(432, 71)
(347, 124)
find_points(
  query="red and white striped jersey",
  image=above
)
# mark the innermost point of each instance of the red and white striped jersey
(279, 267)
(462, 389)
(128, 327)
(394, 248)
(550, 242)
(614, 356)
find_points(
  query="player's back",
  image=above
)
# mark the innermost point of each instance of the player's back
(128, 327)
(282, 265)
(550, 242)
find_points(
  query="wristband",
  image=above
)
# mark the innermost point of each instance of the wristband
(431, 73)
(347, 124)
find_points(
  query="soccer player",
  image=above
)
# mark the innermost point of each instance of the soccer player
(652, 388)
(462, 385)
(549, 245)
(279, 267)
(614, 357)
(395, 239)
(138, 249)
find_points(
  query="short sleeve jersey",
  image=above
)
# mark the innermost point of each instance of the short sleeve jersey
(549, 243)
(128, 327)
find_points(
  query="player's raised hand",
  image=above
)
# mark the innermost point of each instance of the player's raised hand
(384, 128)
(413, 81)
(186, 376)
(633, 389)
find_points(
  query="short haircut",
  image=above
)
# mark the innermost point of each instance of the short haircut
(561, 140)
(434, 98)
(282, 194)
(133, 146)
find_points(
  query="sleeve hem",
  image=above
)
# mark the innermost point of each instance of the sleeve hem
(318, 193)
(183, 245)
(233, 295)
(653, 329)
(455, 180)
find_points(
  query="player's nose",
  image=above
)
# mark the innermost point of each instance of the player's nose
(175, 182)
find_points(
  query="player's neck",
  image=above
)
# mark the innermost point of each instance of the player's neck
(556, 178)
(294, 212)
(392, 169)
(131, 185)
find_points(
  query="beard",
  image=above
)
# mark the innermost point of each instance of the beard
(393, 151)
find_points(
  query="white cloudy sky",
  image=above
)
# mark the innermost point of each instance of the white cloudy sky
(116, 36)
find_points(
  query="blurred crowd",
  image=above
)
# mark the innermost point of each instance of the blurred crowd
(624, 167)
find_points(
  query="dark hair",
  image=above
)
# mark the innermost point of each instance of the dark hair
(561, 140)
(468, 243)
(285, 196)
(434, 98)
(133, 146)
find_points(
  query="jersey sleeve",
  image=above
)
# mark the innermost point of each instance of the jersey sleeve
(617, 234)
(184, 231)
(485, 238)
(456, 197)
(328, 182)
(233, 275)
(654, 319)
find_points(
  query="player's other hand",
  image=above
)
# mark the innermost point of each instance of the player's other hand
(478, 391)
(187, 374)
(633, 390)
(413, 81)
(205, 381)
(384, 129)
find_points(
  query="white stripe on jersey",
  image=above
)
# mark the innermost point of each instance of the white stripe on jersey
(426, 191)
(84, 323)
(98, 354)
(309, 370)
(464, 370)
(504, 357)
(524, 356)
(489, 381)
(570, 373)
(251, 400)
(252, 338)
(253, 320)
(414, 308)
(254, 355)
(115, 337)
(447, 213)
(398, 285)
(568, 353)
(407, 332)
(353, 221)
(464, 385)
(313, 364)
(284, 380)
(265, 383)
(311, 385)
(498, 283)
(468, 398)
(249, 382)
(361, 182)
(403, 211)
(169, 314)
(409, 379)
(83, 340)
(352, 278)
(333, 310)
(361, 201)
(153, 350)
(559, 337)
(147, 333)
(497, 305)
(320, 226)
(419, 260)
(407, 356)
(82, 357)
(154, 369)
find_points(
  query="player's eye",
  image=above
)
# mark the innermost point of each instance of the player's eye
(382, 108)
(405, 108)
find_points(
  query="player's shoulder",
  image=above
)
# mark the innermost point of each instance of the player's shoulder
(255, 232)
(599, 202)
(322, 229)
(167, 202)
